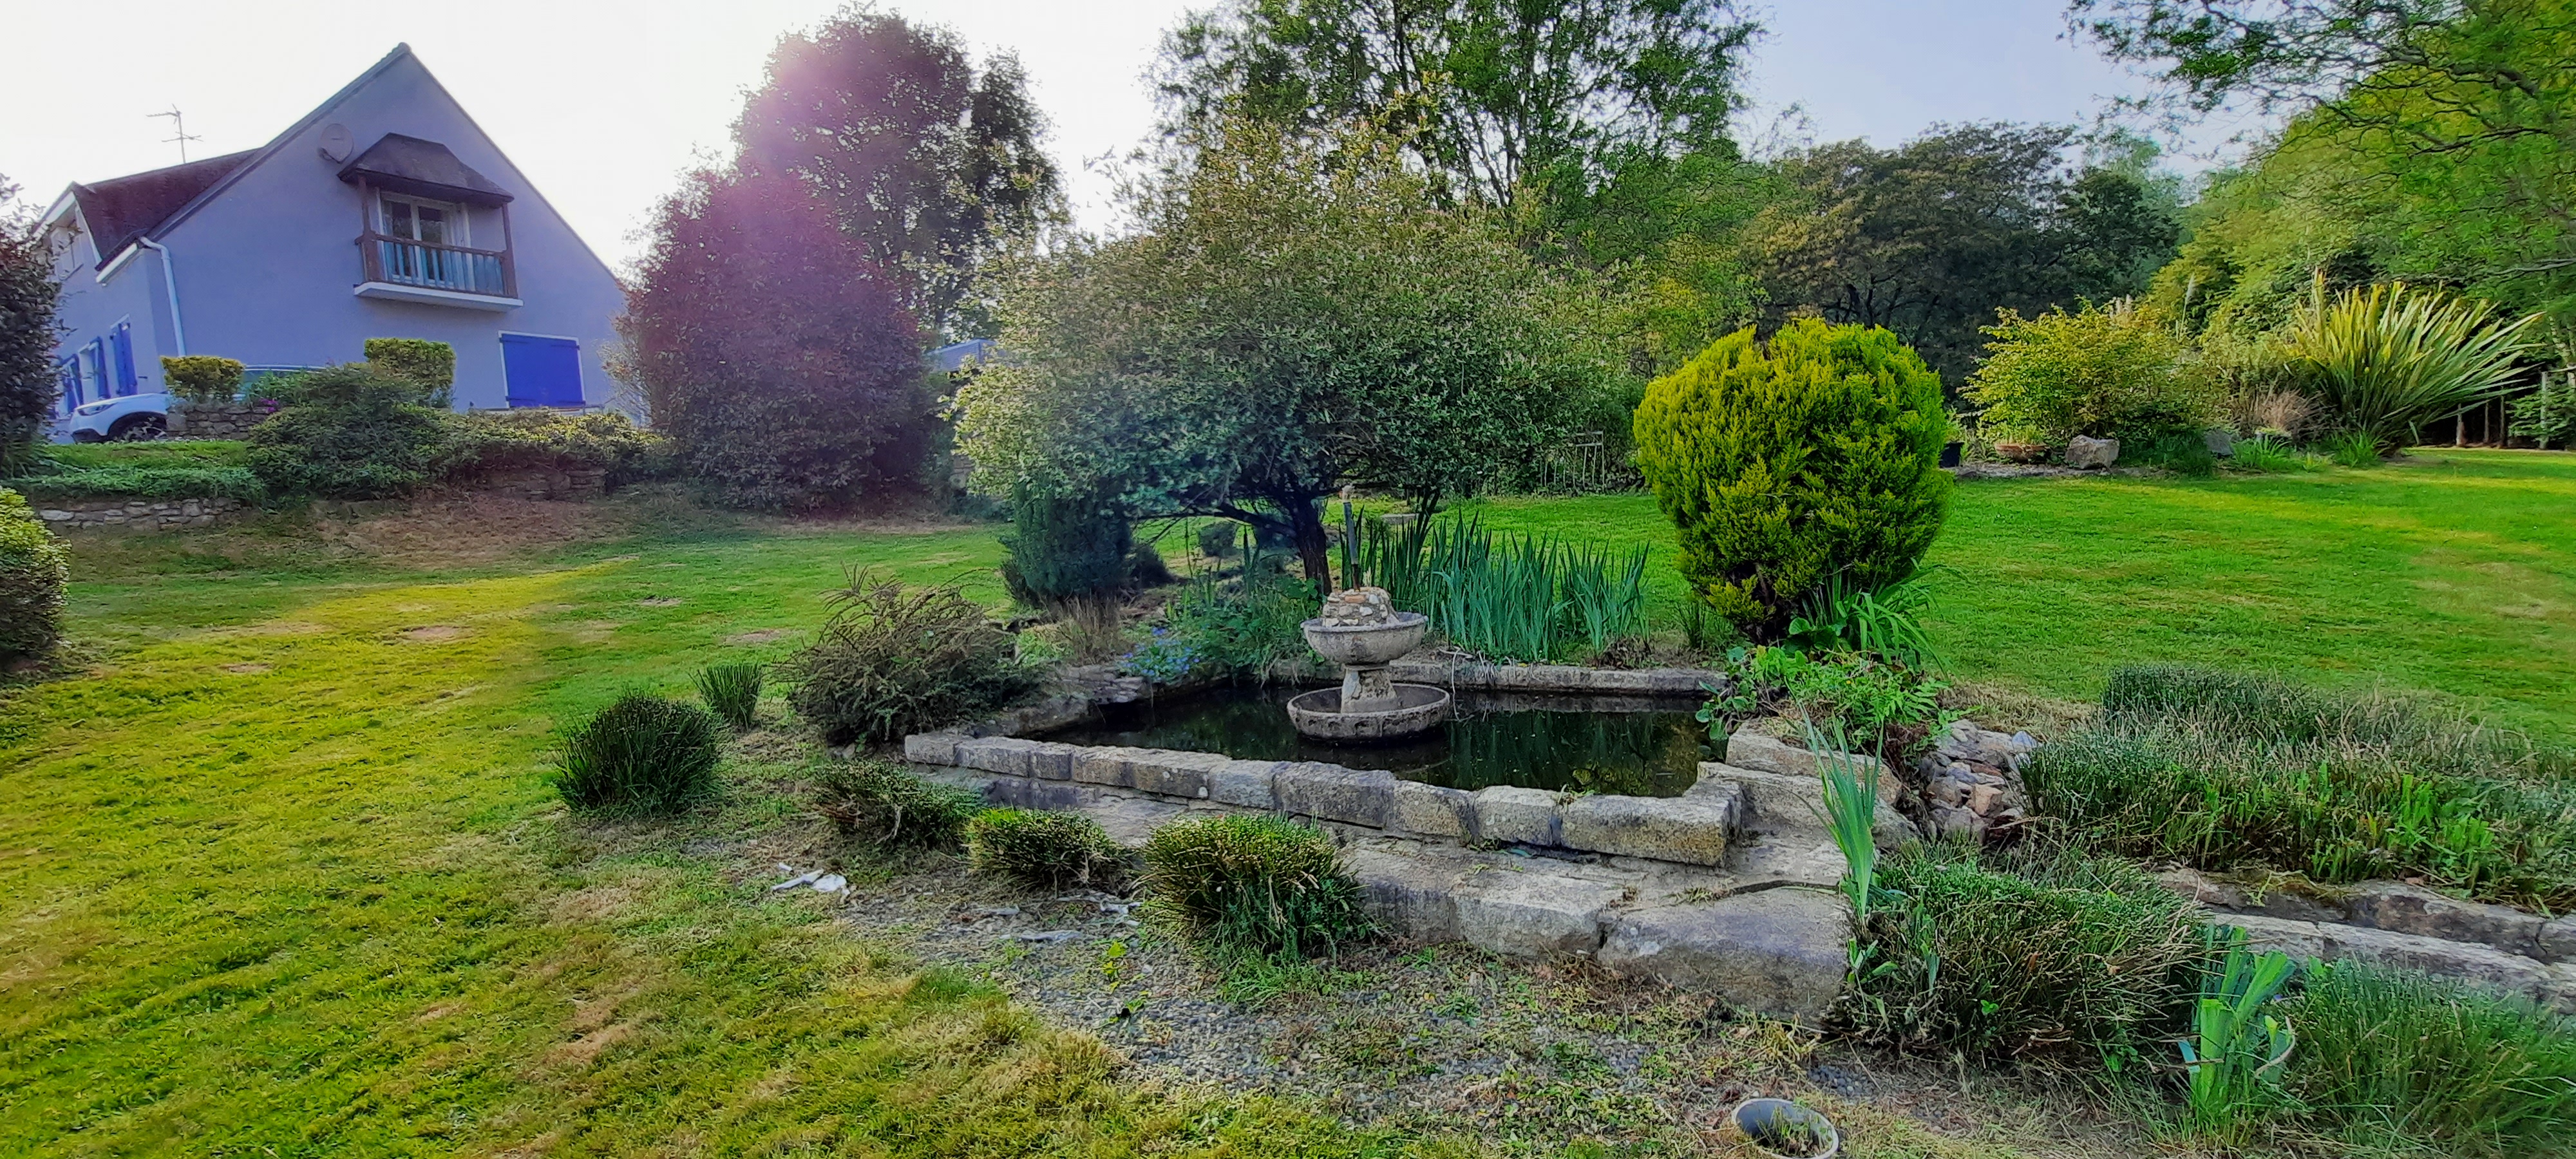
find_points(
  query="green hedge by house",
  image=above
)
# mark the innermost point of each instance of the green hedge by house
(202, 377)
(172, 469)
(517, 439)
(431, 364)
(33, 569)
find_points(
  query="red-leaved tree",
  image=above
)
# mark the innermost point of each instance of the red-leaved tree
(769, 348)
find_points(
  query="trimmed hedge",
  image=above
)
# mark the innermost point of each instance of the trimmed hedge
(201, 377)
(1787, 464)
(513, 439)
(431, 364)
(33, 569)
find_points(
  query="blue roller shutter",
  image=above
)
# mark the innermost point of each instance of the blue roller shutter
(541, 371)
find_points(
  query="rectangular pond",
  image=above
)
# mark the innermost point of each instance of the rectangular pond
(1630, 745)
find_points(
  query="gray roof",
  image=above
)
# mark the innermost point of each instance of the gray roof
(411, 165)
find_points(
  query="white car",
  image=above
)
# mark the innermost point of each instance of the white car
(132, 419)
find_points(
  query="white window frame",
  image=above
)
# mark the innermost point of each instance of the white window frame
(461, 235)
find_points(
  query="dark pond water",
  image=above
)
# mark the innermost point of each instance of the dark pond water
(1638, 746)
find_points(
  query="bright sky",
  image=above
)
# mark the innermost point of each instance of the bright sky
(602, 102)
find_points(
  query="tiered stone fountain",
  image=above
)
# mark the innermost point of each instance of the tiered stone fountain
(1361, 630)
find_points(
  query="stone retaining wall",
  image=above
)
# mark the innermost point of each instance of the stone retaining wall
(2401, 925)
(1692, 829)
(578, 484)
(133, 514)
(217, 420)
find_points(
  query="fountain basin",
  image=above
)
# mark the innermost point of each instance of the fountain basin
(1367, 645)
(1418, 708)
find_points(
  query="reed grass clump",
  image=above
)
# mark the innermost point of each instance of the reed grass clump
(641, 754)
(732, 691)
(2393, 1054)
(1508, 596)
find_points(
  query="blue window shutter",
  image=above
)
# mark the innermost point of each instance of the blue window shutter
(94, 367)
(541, 371)
(68, 374)
(125, 381)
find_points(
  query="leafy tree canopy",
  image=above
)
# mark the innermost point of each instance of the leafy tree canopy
(2431, 140)
(931, 162)
(1931, 238)
(28, 298)
(1299, 310)
(1489, 96)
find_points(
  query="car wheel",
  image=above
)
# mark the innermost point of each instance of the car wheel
(142, 428)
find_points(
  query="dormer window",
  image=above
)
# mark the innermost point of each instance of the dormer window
(420, 204)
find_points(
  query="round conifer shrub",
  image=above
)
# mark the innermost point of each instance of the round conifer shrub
(1784, 464)
(33, 569)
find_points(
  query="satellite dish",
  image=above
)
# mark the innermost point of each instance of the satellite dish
(336, 143)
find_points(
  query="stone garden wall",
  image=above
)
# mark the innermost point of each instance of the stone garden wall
(217, 420)
(133, 514)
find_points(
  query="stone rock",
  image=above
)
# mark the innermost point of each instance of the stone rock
(1176, 774)
(1105, 765)
(1982, 799)
(2202, 888)
(2220, 441)
(2305, 941)
(1247, 784)
(1434, 811)
(1520, 816)
(1415, 896)
(1050, 761)
(1780, 952)
(2558, 940)
(1693, 832)
(932, 748)
(996, 754)
(1795, 803)
(2412, 909)
(2469, 961)
(1952, 822)
(1358, 607)
(2087, 453)
(1533, 915)
(1351, 796)
(1764, 754)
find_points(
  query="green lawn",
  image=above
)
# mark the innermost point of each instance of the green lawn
(2454, 571)
(283, 877)
(281, 874)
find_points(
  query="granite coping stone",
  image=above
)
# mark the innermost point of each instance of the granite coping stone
(1693, 832)
(2554, 986)
(1350, 796)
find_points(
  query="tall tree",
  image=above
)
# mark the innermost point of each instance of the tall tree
(1931, 238)
(28, 330)
(771, 350)
(1489, 94)
(932, 163)
(1298, 312)
(2428, 139)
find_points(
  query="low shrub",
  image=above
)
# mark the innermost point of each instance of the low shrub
(1783, 463)
(2547, 416)
(2385, 1052)
(1061, 550)
(2107, 371)
(1235, 627)
(350, 432)
(1221, 539)
(144, 483)
(894, 660)
(201, 377)
(431, 364)
(2354, 449)
(888, 804)
(2036, 953)
(543, 439)
(732, 691)
(34, 569)
(1887, 709)
(2268, 455)
(1043, 848)
(642, 754)
(2221, 770)
(2183, 452)
(1254, 887)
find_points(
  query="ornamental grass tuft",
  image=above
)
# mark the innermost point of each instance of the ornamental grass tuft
(1251, 888)
(642, 754)
(1043, 848)
(890, 805)
(732, 691)
(2388, 1053)
(896, 659)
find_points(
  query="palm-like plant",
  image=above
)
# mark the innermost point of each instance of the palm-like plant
(2388, 359)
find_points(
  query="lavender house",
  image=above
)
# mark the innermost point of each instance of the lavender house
(385, 213)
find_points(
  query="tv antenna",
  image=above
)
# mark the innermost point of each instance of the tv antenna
(179, 132)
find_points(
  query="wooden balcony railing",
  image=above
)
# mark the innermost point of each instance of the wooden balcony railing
(404, 262)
